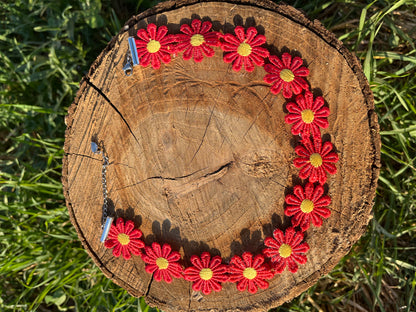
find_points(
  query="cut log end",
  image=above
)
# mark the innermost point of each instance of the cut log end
(200, 156)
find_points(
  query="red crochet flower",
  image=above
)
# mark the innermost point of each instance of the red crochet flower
(286, 249)
(162, 262)
(306, 205)
(154, 45)
(249, 273)
(124, 238)
(307, 115)
(206, 274)
(286, 74)
(196, 41)
(245, 49)
(315, 159)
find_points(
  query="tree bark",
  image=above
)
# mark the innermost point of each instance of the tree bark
(200, 156)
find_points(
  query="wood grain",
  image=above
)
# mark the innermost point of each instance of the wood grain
(200, 156)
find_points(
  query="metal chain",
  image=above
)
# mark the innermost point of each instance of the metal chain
(104, 183)
(95, 149)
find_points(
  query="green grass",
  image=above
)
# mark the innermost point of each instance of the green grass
(46, 47)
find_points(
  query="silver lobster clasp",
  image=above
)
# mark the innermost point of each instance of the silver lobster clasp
(128, 69)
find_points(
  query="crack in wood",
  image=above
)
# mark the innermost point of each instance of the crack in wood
(190, 298)
(176, 178)
(191, 185)
(278, 183)
(148, 286)
(113, 106)
(265, 107)
(187, 187)
(205, 132)
(161, 178)
(82, 155)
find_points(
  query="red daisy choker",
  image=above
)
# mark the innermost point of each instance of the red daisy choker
(307, 204)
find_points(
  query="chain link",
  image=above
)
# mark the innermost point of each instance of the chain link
(96, 150)
(104, 183)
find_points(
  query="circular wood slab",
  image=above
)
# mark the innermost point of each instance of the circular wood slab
(200, 156)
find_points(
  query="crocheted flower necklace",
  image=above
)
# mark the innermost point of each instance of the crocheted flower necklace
(307, 204)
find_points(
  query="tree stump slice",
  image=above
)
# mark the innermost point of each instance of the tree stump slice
(200, 156)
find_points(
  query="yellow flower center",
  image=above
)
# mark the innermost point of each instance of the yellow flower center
(162, 263)
(307, 116)
(285, 250)
(249, 273)
(197, 40)
(306, 206)
(206, 274)
(244, 49)
(153, 46)
(123, 239)
(287, 75)
(316, 160)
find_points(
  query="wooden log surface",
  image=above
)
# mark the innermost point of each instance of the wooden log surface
(200, 156)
